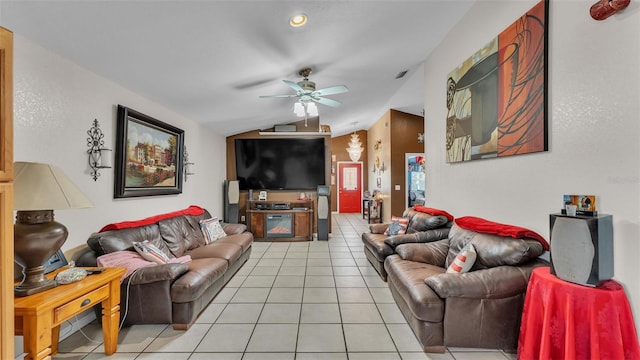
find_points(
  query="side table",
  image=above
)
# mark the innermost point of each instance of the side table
(563, 320)
(38, 316)
(366, 209)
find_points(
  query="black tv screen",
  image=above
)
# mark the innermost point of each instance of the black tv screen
(280, 164)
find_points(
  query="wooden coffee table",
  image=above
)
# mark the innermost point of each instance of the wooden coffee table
(38, 316)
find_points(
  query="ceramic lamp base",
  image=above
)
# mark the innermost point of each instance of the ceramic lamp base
(37, 237)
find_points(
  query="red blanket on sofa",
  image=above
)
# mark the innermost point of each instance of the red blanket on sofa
(489, 227)
(191, 210)
(432, 211)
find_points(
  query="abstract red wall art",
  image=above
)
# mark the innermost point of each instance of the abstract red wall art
(496, 99)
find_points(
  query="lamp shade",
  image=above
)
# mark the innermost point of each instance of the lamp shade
(298, 109)
(45, 187)
(312, 109)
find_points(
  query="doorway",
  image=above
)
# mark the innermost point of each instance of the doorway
(349, 187)
(415, 165)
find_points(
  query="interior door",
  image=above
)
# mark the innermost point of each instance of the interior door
(415, 179)
(349, 187)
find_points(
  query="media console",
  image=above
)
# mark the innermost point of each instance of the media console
(280, 220)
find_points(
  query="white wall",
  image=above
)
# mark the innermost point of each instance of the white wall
(380, 130)
(594, 131)
(55, 104)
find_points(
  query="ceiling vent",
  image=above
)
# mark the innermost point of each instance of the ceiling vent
(401, 74)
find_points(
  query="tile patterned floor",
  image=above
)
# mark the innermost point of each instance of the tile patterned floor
(317, 300)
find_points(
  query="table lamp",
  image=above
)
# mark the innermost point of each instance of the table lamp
(38, 190)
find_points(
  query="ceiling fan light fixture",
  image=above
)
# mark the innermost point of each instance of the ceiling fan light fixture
(298, 20)
(307, 95)
(298, 109)
(305, 109)
(312, 109)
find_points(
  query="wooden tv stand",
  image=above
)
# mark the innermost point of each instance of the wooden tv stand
(280, 220)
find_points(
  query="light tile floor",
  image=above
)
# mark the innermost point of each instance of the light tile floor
(318, 300)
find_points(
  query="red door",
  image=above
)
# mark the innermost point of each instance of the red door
(349, 187)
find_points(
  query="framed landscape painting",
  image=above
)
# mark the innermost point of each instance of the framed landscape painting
(497, 98)
(149, 156)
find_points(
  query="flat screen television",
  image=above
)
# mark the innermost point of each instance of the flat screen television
(280, 164)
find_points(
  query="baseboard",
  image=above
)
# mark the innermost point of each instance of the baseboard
(72, 326)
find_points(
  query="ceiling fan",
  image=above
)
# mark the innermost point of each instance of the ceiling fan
(306, 91)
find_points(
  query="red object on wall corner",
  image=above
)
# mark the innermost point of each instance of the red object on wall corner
(605, 8)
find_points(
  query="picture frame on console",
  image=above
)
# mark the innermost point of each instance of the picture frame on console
(149, 156)
(585, 205)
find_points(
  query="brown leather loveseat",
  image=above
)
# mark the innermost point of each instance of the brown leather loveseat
(422, 227)
(173, 293)
(480, 308)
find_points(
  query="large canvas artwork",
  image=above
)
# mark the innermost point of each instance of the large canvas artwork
(496, 99)
(149, 156)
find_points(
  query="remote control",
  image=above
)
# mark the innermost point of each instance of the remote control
(95, 271)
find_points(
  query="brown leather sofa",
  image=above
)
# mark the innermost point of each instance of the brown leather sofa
(479, 309)
(422, 228)
(173, 293)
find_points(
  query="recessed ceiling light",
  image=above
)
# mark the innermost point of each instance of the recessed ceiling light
(298, 20)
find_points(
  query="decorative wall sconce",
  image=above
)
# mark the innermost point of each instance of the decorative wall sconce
(378, 167)
(99, 156)
(377, 145)
(187, 165)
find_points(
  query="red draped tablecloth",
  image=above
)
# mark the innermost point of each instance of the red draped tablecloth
(562, 320)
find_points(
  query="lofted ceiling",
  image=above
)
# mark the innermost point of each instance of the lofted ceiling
(211, 60)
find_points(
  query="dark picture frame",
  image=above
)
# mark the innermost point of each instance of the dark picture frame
(148, 156)
(497, 101)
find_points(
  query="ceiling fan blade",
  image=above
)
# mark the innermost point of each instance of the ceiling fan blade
(294, 86)
(331, 90)
(326, 101)
(279, 96)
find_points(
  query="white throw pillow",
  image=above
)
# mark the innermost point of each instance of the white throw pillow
(212, 230)
(150, 252)
(464, 260)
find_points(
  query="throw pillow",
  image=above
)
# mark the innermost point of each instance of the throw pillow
(464, 261)
(150, 252)
(212, 230)
(398, 226)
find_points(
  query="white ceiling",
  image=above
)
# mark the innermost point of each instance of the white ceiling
(211, 60)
